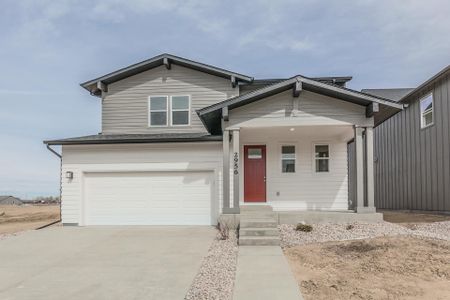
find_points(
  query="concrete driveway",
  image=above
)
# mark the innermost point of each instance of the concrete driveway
(102, 262)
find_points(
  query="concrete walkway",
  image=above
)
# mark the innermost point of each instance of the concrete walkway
(263, 273)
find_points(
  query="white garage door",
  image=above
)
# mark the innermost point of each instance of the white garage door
(148, 198)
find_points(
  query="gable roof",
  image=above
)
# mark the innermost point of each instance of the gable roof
(212, 114)
(393, 94)
(438, 76)
(7, 197)
(163, 59)
(260, 83)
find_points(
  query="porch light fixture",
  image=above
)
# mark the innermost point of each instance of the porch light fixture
(69, 175)
(291, 129)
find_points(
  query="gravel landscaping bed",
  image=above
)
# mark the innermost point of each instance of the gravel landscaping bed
(215, 279)
(437, 230)
(349, 231)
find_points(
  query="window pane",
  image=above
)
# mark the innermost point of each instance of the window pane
(288, 152)
(322, 165)
(426, 103)
(158, 118)
(180, 102)
(288, 165)
(180, 118)
(428, 118)
(158, 103)
(426, 110)
(322, 151)
(254, 153)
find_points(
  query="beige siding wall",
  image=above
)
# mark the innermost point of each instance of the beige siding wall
(125, 105)
(311, 109)
(133, 158)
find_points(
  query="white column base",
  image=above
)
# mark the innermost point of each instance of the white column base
(366, 210)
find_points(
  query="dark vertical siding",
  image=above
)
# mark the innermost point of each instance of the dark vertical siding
(351, 175)
(412, 169)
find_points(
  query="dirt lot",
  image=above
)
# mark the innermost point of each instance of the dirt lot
(19, 218)
(401, 267)
(404, 218)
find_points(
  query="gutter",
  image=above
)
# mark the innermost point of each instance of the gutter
(60, 187)
(54, 152)
(211, 138)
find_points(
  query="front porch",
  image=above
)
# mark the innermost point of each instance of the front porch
(309, 217)
(300, 130)
(309, 182)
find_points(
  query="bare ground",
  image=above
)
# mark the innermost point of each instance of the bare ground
(400, 267)
(405, 217)
(26, 217)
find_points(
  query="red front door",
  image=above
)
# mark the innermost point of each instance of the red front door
(255, 173)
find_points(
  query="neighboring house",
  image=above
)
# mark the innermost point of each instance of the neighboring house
(412, 148)
(10, 200)
(172, 127)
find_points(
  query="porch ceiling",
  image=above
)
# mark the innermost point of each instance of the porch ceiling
(342, 133)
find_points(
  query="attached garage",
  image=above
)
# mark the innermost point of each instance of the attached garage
(141, 184)
(148, 198)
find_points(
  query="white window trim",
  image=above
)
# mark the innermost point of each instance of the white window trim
(314, 157)
(281, 158)
(172, 110)
(149, 111)
(422, 125)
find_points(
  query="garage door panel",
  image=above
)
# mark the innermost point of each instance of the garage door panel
(148, 198)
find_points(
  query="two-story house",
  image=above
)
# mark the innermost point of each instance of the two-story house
(412, 148)
(183, 142)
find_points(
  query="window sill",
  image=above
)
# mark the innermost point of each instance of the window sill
(426, 127)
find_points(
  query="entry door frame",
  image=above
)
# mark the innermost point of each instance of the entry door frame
(245, 152)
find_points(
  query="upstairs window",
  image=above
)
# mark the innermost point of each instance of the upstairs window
(288, 159)
(180, 107)
(158, 108)
(322, 158)
(426, 111)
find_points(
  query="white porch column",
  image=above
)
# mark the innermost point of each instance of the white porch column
(236, 174)
(369, 169)
(359, 157)
(226, 172)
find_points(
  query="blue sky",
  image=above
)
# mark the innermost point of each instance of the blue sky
(48, 47)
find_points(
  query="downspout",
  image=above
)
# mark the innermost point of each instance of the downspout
(60, 186)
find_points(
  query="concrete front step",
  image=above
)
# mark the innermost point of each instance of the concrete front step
(253, 208)
(259, 241)
(259, 232)
(258, 223)
(259, 214)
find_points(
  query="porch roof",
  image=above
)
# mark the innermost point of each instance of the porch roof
(211, 115)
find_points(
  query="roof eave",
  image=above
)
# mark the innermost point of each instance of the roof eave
(213, 138)
(435, 77)
(310, 84)
(306, 83)
(158, 61)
